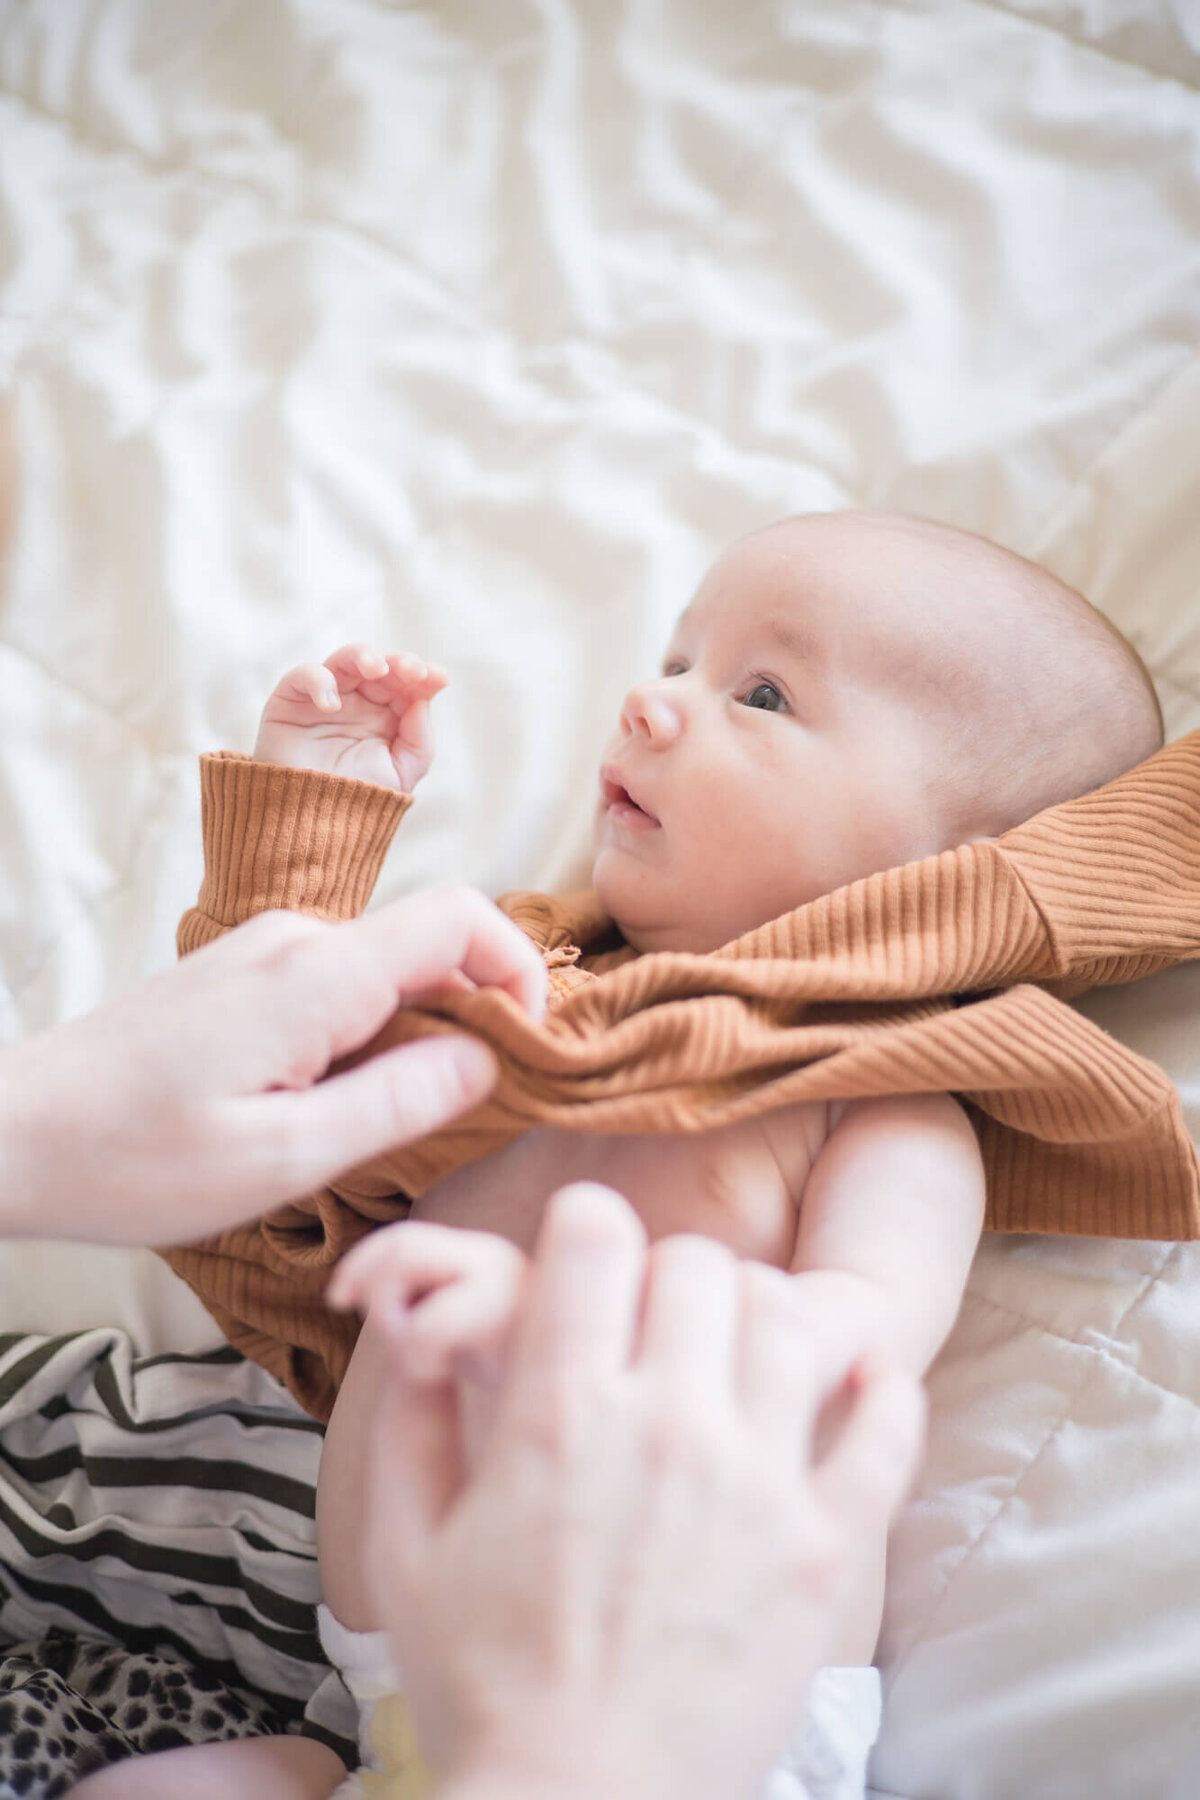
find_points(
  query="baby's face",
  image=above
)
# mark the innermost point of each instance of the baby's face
(782, 752)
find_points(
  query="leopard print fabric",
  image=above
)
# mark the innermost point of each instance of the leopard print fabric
(67, 1708)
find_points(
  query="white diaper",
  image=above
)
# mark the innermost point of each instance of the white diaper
(825, 1759)
(826, 1756)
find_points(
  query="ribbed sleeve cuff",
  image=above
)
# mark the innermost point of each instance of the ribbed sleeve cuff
(293, 838)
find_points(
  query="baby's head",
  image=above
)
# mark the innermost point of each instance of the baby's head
(847, 692)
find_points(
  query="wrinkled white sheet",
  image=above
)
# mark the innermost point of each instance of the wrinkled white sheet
(477, 327)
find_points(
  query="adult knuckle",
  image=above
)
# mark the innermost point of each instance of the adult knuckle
(460, 897)
(884, 1471)
(570, 1415)
(768, 1287)
(691, 1256)
(425, 1085)
(278, 935)
(820, 1556)
(286, 1162)
(681, 1439)
(454, 897)
(765, 1504)
(553, 1421)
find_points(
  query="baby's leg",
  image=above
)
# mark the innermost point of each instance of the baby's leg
(268, 1768)
(342, 1485)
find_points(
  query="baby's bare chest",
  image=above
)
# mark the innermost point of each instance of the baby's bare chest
(740, 1184)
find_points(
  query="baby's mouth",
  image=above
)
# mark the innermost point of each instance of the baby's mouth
(620, 803)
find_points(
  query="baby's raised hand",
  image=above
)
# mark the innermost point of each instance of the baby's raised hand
(359, 713)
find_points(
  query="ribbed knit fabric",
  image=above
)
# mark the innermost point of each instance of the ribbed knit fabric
(272, 838)
(943, 975)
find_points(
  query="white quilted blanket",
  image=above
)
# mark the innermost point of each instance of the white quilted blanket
(477, 327)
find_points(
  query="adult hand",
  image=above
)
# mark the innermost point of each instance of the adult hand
(631, 1590)
(196, 1101)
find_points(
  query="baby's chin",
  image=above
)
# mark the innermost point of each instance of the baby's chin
(609, 894)
(656, 920)
(635, 922)
(646, 933)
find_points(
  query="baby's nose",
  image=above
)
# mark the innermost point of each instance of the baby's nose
(649, 712)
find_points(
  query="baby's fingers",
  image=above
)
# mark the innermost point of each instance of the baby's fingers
(356, 663)
(399, 681)
(311, 682)
(420, 679)
(412, 747)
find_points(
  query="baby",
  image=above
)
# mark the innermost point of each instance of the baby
(845, 693)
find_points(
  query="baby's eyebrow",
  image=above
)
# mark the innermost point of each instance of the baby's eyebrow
(797, 642)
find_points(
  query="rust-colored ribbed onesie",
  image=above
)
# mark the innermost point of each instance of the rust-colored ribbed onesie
(943, 975)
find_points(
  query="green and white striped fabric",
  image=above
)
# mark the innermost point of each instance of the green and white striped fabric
(165, 1502)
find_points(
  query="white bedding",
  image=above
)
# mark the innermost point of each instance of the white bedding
(477, 327)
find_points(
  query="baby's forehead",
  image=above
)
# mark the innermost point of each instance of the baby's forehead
(828, 591)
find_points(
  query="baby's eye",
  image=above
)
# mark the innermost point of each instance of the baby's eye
(674, 667)
(766, 696)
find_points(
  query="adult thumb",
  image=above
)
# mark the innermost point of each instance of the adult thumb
(389, 1100)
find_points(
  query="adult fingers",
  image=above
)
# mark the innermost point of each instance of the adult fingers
(867, 1471)
(414, 944)
(415, 1257)
(302, 1139)
(461, 1329)
(325, 990)
(437, 1291)
(581, 1305)
(791, 1358)
(690, 1317)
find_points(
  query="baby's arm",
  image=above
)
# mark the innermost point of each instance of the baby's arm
(449, 1296)
(278, 831)
(890, 1218)
(300, 838)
